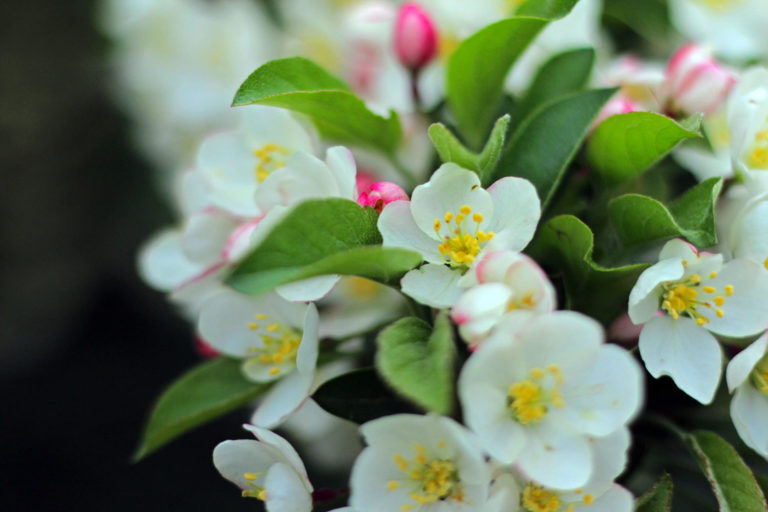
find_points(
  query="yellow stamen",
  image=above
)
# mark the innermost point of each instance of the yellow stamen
(728, 290)
(537, 499)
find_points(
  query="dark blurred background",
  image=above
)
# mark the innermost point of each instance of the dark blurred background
(84, 345)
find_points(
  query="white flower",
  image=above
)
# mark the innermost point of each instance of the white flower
(686, 297)
(747, 111)
(537, 390)
(508, 282)
(734, 28)
(452, 221)
(418, 463)
(513, 492)
(235, 163)
(278, 340)
(747, 375)
(269, 470)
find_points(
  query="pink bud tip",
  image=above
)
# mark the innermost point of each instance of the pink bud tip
(205, 350)
(415, 37)
(695, 81)
(619, 104)
(380, 194)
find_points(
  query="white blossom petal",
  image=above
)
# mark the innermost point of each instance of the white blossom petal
(516, 212)
(644, 297)
(556, 458)
(746, 311)
(433, 284)
(398, 229)
(285, 490)
(283, 399)
(306, 290)
(749, 412)
(744, 362)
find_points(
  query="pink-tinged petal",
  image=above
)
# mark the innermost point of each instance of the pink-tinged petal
(678, 248)
(744, 362)
(398, 229)
(516, 212)
(206, 235)
(239, 241)
(684, 351)
(415, 36)
(162, 263)
(434, 285)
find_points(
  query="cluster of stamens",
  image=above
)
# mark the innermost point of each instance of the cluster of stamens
(758, 154)
(433, 479)
(461, 245)
(279, 344)
(530, 399)
(256, 491)
(269, 159)
(537, 499)
(683, 298)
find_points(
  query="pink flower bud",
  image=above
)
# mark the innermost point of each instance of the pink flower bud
(381, 193)
(695, 81)
(619, 104)
(415, 37)
(204, 349)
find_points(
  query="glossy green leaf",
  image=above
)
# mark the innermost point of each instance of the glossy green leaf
(418, 361)
(625, 145)
(562, 74)
(477, 69)
(321, 237)
(450, 149)
(565, 244)
(360, 396)
(658, 498)
(206, 392)
(544, 144)
(550, 9)
(640, 219)
(732, 481)
(300, 85)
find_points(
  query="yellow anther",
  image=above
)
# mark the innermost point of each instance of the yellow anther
(273, 327)
(261, 316)
(588, 499)
(448, 216)
(712, 274)
(719, 313)
(719, 300)
(459, 218)
(765, 263)
(402, 464)
(274, 371)
(251, 476)
(685, 263)
(728, 290)
(537, 373)
(393, 485)
(437, 224)
(695, 278)
(253, 326)
(701, 321)
(708, 289)
(465, 209)
(478, 217)
(536, 499)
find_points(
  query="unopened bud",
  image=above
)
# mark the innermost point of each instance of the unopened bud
(415, 37)
(380, 194)
(619, 104)
(695, 81)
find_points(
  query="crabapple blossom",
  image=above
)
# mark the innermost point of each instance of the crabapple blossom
(747, 376)
(508, 282)
(452, 221)
(277, 341)
(695, 81)
(379, 194)
(268, 469)
(540, 387)
(418, 463)
(686, 298)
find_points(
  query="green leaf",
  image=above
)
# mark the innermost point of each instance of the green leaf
(300, 85)
(732, 481)
(658, 498)
(565, 245)
(418, 362)
(477, 69)
(564, 73)
(360, 396)
(640, 219)
(450, 149)
(321, 237)
(550, 9)
(544, 144)
(204, 393)
(625, 145)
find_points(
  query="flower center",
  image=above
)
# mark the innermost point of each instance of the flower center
(682, 298)
(433, 479)
(760, 375)
(757, 156)
(530, 399)
(461, 244)
(536, 499)
(269, 158)
(279, 344)
(256, 491)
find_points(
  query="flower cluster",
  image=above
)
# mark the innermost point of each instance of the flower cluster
(359, 267)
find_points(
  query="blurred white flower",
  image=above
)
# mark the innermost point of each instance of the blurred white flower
(747, 376)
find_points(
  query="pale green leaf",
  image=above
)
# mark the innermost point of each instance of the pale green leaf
(658, 498)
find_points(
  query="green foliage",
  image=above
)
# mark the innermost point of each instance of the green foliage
(550, 9)
(545, 143)
(565, 244)
(563, 73)
(360, 396)
(732, 481)
(300, 85)
(658, 498)
(321, 237)
(640, 219)
(204, 393)
(418, 361)
(450, 149)
(626, 145)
